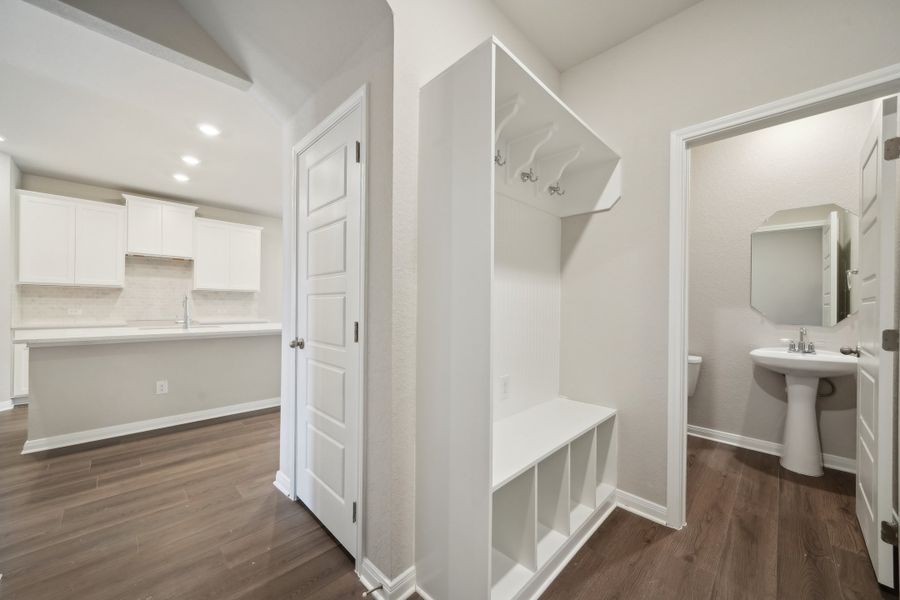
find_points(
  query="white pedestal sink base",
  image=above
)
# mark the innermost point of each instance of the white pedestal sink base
(802, 452)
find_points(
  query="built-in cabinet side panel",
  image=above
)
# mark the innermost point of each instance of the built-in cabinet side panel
(99, 244)
(144, 227)
(455, 257)
(46, 240)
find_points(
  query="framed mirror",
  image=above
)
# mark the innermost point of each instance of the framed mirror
(804, 265)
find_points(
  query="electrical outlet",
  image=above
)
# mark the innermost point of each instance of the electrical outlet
(162, 386)
(73, 312)
(504, 386)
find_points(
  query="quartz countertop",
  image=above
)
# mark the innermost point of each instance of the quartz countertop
(79, 336)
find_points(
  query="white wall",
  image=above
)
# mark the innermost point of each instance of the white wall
(153, 287)
(428, 37)
(9, 180)
(714, 59)
(736, 184)
(525, 311)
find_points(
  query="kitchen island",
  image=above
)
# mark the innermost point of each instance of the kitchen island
(94, 383)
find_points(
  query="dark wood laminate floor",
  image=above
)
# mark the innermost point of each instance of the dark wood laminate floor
(184, 514)
(755, 531)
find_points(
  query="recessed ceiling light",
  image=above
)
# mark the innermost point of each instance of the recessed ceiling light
(190, 160)
(207, 129)
(181, 177)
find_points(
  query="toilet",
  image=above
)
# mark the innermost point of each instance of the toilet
(694, 363)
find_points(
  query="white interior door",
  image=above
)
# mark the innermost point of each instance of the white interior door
(328, 310)
(874, 447)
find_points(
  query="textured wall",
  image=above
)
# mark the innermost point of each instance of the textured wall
(736, 184)
(154, 287)
(714, 59)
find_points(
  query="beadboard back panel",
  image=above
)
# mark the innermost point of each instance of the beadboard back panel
(526, 291)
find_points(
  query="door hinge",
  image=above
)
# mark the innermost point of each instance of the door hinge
(358, 151)
(354, 512)
(889, 532)
(356, 331)
(892, 148)
(890, 340)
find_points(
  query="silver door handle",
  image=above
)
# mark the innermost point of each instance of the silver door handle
(850, 273)
(298, 343)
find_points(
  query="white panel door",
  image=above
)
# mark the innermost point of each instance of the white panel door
(328, 303)
(144, 226)
(178, 231)
(99, 245)
(211, 255)
(245, 248)
(874, 448)
(46, 240)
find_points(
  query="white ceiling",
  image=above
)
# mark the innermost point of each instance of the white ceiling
(569, 32)
(80, 105)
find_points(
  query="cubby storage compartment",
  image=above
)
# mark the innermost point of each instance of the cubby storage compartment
(584, 479)
(513, 536)
(606, 461)
(552, 504)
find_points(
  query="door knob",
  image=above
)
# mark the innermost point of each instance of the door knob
(298, 343)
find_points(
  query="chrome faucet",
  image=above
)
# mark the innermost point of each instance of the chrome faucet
(187, 320)
(804, 346)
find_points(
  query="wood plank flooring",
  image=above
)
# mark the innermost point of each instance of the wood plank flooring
(188, 513)
(755, 531)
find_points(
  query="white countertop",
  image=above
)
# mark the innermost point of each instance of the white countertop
(80, 336)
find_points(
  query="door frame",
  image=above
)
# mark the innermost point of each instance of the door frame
(869, 86)
(359, 99)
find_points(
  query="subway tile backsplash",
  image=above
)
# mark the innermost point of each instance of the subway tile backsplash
(153, 291)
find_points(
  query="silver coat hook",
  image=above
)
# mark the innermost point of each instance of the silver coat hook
(498, 160)
(555, 190)
(529, 176)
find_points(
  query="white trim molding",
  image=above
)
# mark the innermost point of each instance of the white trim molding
(399, 588)
(869, 86)
(284, 485)
(113, 431)
(7, 405)
(831, 461)
(641, 507)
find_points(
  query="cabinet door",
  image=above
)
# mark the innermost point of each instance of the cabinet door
(46, 241)
(100, 245)
(144, 227)
(177, 231)
(245, 259)
(211, 251)
(20, 370)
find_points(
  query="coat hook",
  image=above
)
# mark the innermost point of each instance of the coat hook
(529, 176)
(555, 190)
(498, 160)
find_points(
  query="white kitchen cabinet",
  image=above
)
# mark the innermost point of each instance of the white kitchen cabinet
(227, 256)
(159, 228)
(20, 370)
(46, 239)
(69, 241)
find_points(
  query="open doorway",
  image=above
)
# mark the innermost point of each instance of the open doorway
(813, 275)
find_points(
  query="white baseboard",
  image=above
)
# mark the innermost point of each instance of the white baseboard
(838, 463)
(399, 588)
(103, 433)
(283, 484)
(20, 401)
(6, 405)
(641, 507)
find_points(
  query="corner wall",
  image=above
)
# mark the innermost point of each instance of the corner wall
(714, 59)
(9, 180)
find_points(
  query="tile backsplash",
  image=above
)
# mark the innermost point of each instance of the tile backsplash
(154, 288)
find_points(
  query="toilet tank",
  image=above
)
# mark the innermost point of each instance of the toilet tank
(694, 363)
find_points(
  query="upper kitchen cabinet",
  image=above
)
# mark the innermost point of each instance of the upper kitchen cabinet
(160, 228)
(69, 241)
(227, 256)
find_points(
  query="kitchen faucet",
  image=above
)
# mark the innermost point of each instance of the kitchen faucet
(187, 320)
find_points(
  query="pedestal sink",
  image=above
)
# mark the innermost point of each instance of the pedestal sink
(802, 452)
